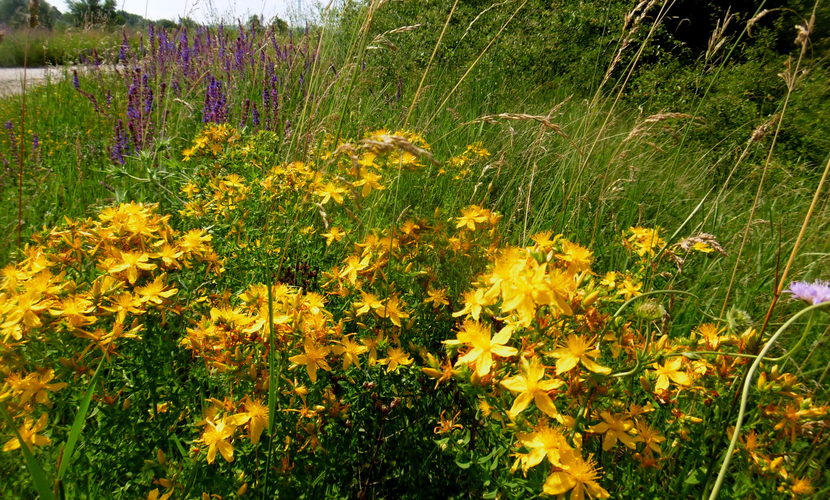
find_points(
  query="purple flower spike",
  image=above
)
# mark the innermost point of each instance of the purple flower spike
(817, 292)
(76, 82)
(255, 116)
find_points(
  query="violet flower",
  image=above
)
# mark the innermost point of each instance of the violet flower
(815, 293)
(120, 147)
(215, 109)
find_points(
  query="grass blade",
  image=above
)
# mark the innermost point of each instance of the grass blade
(39, 477)
(78, 424)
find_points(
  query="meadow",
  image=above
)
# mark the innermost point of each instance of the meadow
(433, 249)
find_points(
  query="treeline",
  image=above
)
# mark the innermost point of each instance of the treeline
(16, 14)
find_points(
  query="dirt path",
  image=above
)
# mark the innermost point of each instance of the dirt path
(11, 79)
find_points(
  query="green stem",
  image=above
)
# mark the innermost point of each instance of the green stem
(789, 353)
(745, 396)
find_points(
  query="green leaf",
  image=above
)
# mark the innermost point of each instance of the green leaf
(692, 479)
(463, 465)
(78, 424)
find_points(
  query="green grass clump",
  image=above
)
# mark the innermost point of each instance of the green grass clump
(43, 47)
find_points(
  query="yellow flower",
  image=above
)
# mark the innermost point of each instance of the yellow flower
(615, 428)
(256, 416)
(651, 437)
(122, 304)
(802, 486)
(483, 347)
(577, 476)
(334, 234)
(530, 386)
(132, 263)
(644, 241)
(34, 385)
(437, 297)
(543, 442)
(395, 357)
(368, 302)
(439, 371)
(392, 310)
(330, 191)
(577, 257)
(544, 241)
(24, 309)
(711, 335)
(369, 181)
(314, 357)
(471, 216)
(29, 434)
(629, 288)
(473, 302)
(75, 310)
(195, 242)
(156, 291)
(354, 265)
(577, 350)
(217, 437)
(350, 350)
(702, 247)
(670, 370)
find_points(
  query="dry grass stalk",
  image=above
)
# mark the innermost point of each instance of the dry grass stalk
(380, 41)
(543, 120)
(705, 239)
(631, 25)
(388, 142)
(794, 72)
(718, 37)
(757, 17)
(429, 64)
(646, 125)
(495, 5)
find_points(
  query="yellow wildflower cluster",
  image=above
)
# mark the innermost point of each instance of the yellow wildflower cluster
(224, 418)
(643, 241)
(212, 140)
(87, 286)
(462, 164)
(547, 353)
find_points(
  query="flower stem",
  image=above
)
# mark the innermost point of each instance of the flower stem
(745, 396)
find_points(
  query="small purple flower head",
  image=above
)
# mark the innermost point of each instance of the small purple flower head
(35, 141)
(815, 293)
(8, 125)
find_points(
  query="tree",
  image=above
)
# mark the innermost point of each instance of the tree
(86, 13)
(18, 13)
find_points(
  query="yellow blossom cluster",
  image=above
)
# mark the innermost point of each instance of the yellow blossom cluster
(87, 286)
(212, 140)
